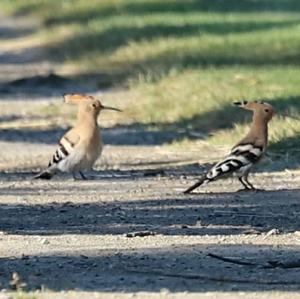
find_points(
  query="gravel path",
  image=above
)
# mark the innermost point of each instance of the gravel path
(130, 232)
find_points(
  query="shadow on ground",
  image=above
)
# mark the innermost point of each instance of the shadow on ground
(41, 86)
(185, 267)
(201, 214)
(141, 269)
(112, 39)
(13, 33)
(129, 8)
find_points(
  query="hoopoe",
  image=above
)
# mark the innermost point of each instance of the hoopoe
(81, 146)
(247, 152)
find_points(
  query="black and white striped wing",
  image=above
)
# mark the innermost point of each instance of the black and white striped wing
(65, 148)
(241, 159)
(250, 151)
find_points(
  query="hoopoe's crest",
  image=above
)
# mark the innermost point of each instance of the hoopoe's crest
(247, 152)
(78, 98)
(87, 102)
(260, 108)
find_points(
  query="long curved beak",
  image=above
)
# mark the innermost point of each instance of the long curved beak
(111, 108)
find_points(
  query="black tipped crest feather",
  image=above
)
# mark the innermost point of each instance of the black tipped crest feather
(242, 103)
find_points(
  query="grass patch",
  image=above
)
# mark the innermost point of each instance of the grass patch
(202, 101)
(183, 61)
(22, 295)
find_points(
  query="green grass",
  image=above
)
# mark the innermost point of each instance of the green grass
(22, 295)
(183, 61)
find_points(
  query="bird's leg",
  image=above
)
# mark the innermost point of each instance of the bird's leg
(74, 176)
(249, 184)
(82, 175)
(246, 187)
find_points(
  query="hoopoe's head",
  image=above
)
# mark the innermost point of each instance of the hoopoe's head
(260, 109)
(87, 103)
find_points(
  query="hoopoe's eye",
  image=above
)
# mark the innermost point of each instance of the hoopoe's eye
(266, 110)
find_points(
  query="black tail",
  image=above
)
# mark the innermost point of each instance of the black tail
(44, 175)
(199, 183)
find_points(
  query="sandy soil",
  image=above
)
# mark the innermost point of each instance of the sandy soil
(130, 232)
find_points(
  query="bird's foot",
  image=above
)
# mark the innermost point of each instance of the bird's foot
(90, 178)
(186, 192)
(82, 177)
(75, 178)
(87, 178)
(250, 190)
(258, 190)
(245, 190)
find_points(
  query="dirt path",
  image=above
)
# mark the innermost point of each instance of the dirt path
(72, 237)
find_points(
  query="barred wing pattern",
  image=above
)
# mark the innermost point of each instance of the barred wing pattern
(63, 156)
(241, 158)
(64, 150)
